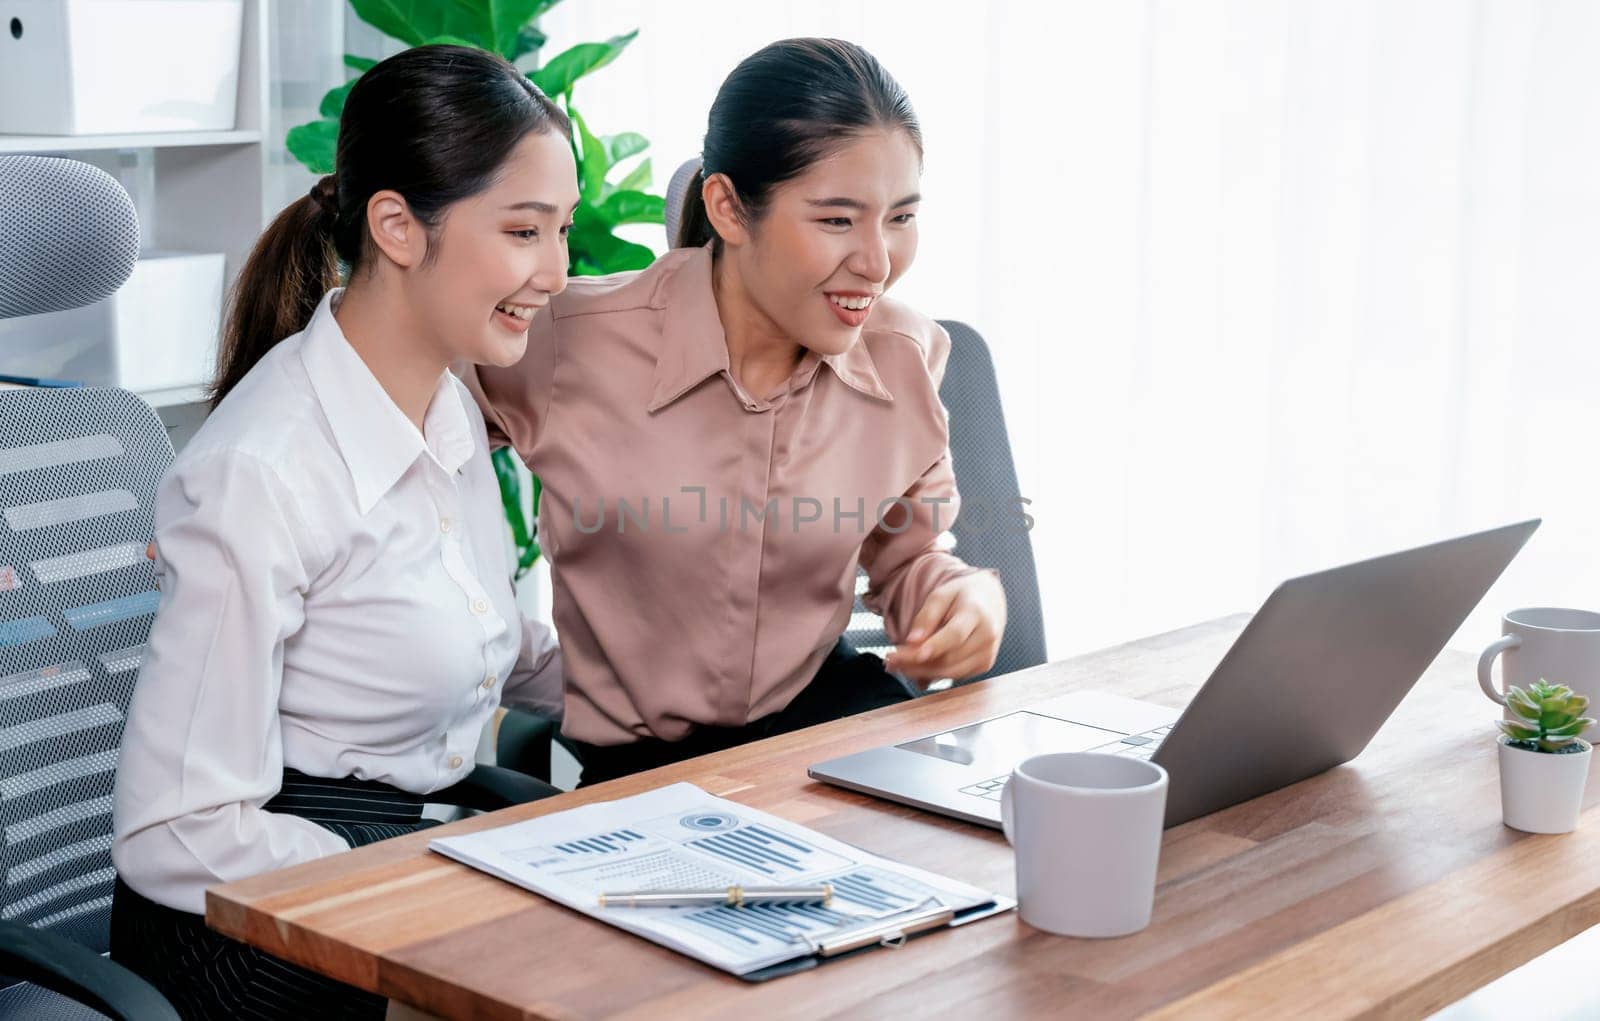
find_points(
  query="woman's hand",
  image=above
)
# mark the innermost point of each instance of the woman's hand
(956, 633)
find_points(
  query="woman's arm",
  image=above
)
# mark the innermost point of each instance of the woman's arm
(202, 749)
(945, 617)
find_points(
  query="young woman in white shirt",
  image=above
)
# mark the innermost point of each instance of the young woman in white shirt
(337, 621)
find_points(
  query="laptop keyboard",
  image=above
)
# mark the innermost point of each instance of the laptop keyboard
(1136, 746)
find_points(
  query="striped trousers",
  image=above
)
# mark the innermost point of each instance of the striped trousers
(207, 975)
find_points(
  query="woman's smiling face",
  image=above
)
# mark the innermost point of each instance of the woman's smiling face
(832, 240)
(503, 253)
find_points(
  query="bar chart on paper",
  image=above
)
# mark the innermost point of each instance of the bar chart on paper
(603, 843)
(681, 838)
(855, 894)
(765, 852)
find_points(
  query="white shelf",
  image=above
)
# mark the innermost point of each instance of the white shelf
(166, 397)
(148, 140)
(194, 191)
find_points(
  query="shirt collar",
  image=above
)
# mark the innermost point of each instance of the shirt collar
(376, 440)
(858, 371)
(694, 347)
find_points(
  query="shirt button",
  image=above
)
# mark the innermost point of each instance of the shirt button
(445, 524)
(455, 762)
(488, 682)
(480, 606)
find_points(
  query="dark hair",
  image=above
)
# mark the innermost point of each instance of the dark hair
(433, 123)
(785, 107)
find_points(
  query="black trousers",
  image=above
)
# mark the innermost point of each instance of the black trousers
(207, 975)
(848, 682)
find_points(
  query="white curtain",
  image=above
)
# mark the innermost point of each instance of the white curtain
(1271, 284)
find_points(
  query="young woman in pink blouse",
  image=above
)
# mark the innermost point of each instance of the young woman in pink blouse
(725, 435)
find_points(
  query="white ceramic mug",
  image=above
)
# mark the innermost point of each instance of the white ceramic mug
(1544, 643)
(1087, 831)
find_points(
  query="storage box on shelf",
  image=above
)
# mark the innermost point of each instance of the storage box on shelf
(195, 167)
(156, 334)
(78, 67)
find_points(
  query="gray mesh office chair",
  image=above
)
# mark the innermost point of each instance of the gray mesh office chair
(78, 469)
(985, 473)
(78, 474)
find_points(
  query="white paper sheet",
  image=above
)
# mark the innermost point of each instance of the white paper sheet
(680, 837)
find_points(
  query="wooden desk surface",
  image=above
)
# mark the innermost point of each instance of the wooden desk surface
(1384, 887)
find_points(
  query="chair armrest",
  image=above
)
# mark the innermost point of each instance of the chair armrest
(523, 741)
(487, 788)
(80, 974)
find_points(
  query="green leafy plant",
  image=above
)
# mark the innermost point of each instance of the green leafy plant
(612, 193)
(1549, 718)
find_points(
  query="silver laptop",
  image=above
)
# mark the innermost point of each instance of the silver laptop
(1307, 684)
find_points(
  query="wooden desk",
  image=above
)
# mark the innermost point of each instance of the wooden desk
(1384, 887)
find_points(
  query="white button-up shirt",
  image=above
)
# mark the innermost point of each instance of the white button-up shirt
(335, 598)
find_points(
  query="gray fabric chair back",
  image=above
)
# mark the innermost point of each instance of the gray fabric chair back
(676, 189)
(78, 472)
(988, 532)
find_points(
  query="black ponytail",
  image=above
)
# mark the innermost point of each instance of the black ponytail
(433, 123)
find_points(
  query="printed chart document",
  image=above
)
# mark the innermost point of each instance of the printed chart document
(679, 837)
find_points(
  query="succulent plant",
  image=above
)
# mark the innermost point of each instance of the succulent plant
(1549, 718)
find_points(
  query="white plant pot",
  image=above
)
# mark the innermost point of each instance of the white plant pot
(1541, 792)
(87, 67)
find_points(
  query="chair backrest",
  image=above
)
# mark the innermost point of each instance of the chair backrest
(988, 532)
(78, 473)
(676, 189)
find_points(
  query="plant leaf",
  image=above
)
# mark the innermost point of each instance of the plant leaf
(1516, 731)
(632, 207)
(522, 534)
(359, 63)
(394, 18)
(1555, 721)
(592, 162)
(505, 471)
(507, 20)
(620, 147)
(314, 144)
(1521, 703)
(638, 179)
(529, 40)
(333, 103)
(557, 77)
(451, 40)
(596, 251)
(1543, 689)
(488, 24)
